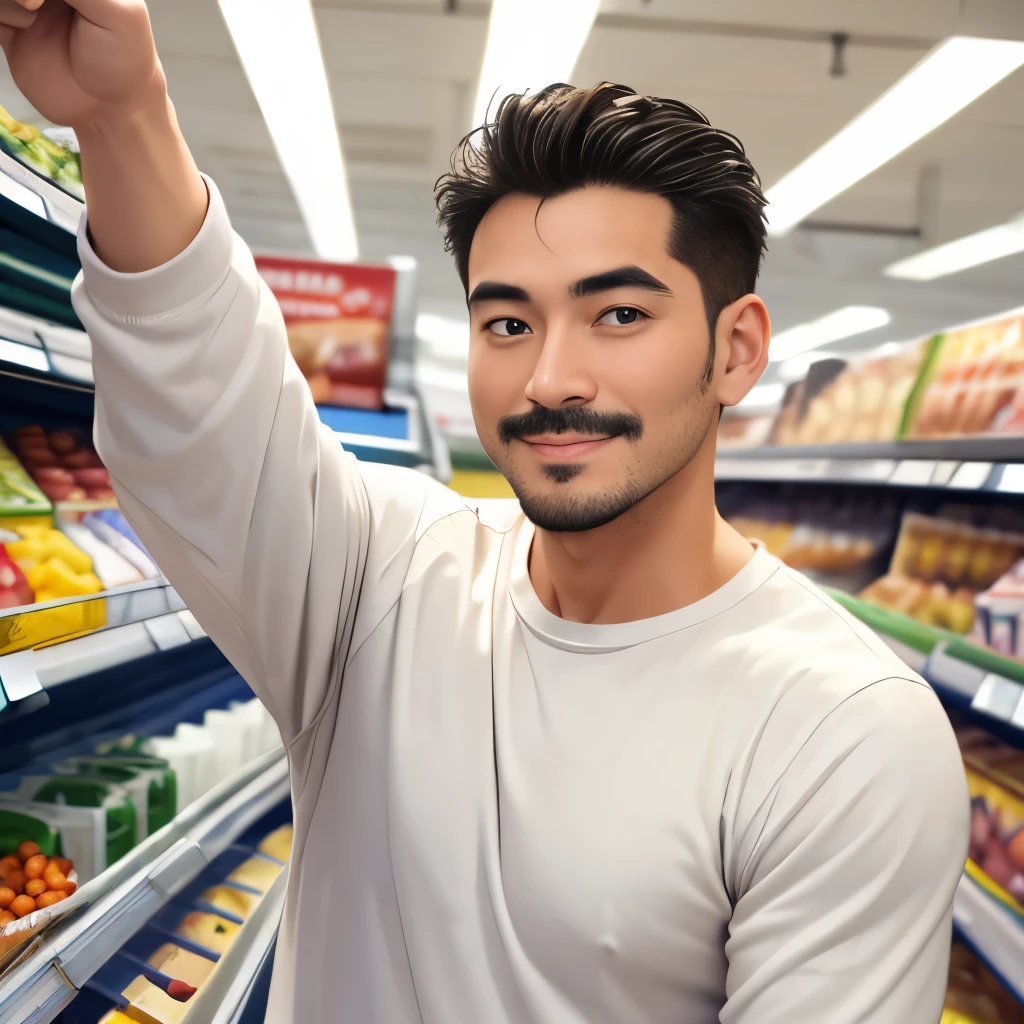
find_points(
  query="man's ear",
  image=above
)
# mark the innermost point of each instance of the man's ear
(744, 331)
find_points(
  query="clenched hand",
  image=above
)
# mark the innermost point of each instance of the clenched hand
(77, 61)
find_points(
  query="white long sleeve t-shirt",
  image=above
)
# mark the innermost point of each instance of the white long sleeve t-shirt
(745, 810)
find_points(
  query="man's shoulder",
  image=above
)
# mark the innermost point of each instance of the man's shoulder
(812, 634)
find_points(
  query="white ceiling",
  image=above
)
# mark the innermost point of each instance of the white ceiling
(403, 75)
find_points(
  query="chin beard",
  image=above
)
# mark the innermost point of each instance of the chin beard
(576, 513)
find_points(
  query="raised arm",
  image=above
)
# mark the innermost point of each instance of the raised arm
(93, 65)
(218, 456)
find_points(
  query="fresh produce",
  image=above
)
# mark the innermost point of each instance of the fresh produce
(64, 464)
(53, 566)
(14, 588)
(44, 156)
(21, 499)
(31, 881)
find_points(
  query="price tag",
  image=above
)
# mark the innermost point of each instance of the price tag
(971, 476)
(866, 470)
(914, 472)
(1011, 480)
(944, 470)
(18, 675)
(167, 631)
(998, 696)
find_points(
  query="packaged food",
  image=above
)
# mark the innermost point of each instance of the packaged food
(163, 788)
(257, 873)
(1000, 614)
(183, 758)
(231, 900)
(115, 803)
(852, 400)
(974, 995)
(116, 1017)
(228, 740)
(22, 503)
(937, 569)
(148, 1004)
(969, 386)
(278, 844)
(209, 931)
(77, 833)
(182, 964)
(150, 785)
(338, 319)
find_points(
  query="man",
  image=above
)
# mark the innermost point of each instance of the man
(601, 762)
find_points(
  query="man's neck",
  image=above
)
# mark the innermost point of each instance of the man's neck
(668, 551)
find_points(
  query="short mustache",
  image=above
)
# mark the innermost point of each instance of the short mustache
(576, 419)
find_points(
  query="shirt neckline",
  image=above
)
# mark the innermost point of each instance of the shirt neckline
(591, 638)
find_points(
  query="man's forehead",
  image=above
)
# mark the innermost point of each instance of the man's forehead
(598, 227)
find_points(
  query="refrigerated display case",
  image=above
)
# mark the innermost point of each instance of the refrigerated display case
(131, 752)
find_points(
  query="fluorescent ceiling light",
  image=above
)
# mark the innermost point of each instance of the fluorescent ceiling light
(843, 323)
(969, 251)
(530, 44)
(279, 48)
(763, 396)
(954, 74)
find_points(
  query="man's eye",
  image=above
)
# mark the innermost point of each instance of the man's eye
(623, 316)
(509, 327)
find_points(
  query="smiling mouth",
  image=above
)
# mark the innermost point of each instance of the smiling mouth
(566, 447)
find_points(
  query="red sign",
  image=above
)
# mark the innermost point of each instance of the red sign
(338, 317)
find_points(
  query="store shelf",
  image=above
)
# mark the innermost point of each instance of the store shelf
(38, 195)
(988, 464)
(44, 645)
(994, 931)
(115, 905)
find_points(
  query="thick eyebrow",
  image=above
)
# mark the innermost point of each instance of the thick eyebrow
(621, 277)
(487, 290)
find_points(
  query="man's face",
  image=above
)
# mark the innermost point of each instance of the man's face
(588, 354)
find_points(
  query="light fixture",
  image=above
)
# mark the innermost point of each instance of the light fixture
(279, 48)
(842, 323)
(954, 74)
(969, 251)
(530, 44)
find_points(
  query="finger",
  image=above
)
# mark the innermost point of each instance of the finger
(108, 13)
(28, 5)
(15, 15)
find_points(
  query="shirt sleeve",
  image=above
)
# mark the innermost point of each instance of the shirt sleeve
(246, 501)
(847, 867)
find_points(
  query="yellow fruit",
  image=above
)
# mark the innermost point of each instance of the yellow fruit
(37, 576)
(75, 558)
(32, 549)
